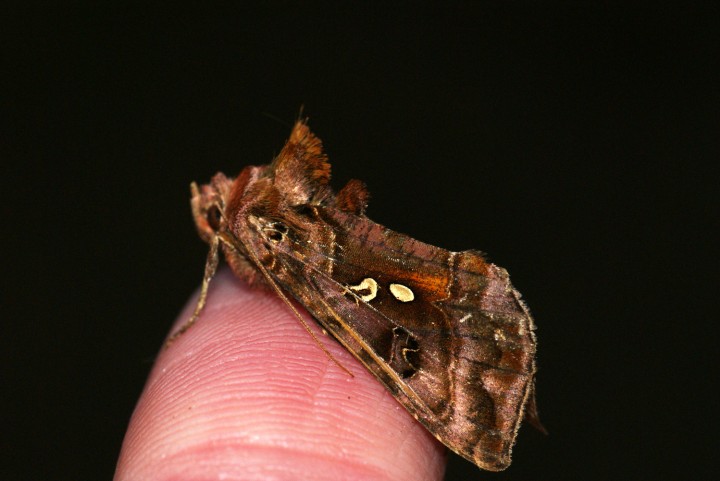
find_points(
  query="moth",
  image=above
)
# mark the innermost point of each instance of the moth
(445, 332)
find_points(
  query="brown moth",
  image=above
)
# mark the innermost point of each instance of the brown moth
(444, 331)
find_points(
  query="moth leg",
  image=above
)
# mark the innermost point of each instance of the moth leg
(210, 268)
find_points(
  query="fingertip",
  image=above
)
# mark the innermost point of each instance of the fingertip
(247, 394)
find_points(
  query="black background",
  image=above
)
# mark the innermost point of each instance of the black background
(575, 143)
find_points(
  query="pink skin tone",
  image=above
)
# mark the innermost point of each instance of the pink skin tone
(246, 394)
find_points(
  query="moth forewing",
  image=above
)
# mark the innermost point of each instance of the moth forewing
(444, 331)
(461, 363)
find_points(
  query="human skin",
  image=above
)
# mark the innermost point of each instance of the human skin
(246, 394)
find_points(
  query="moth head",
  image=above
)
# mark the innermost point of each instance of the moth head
(216, 204)
(208, 203)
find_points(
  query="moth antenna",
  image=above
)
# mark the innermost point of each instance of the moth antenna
(210, 268)
(282, 296)
(276, 119)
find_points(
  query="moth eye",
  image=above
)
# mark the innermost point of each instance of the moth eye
(214, 217)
